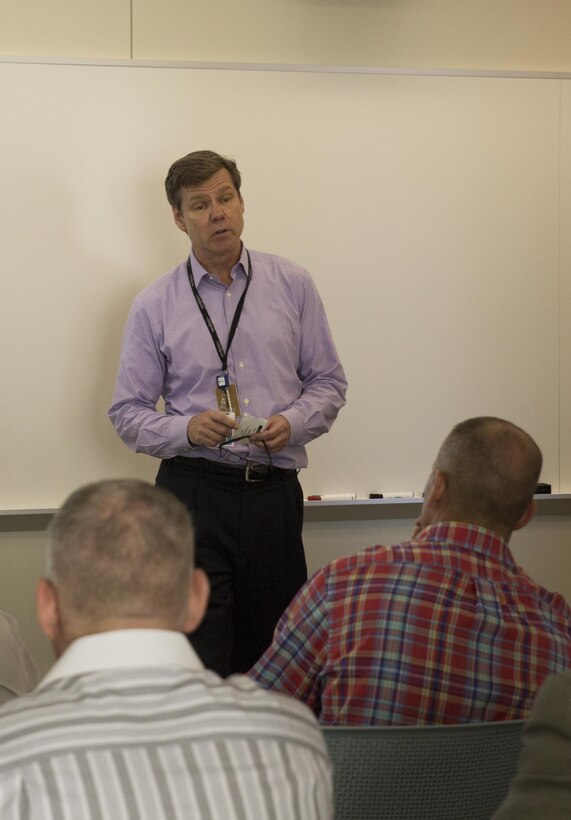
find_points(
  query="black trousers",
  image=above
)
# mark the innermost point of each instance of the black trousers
(248, 541)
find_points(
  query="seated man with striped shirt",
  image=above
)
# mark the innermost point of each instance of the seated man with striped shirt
(445, 628)
(128, 723)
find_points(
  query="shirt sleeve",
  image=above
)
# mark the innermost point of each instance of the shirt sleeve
(542, 785)
(139, 386)
(324, 384)
(294, 663)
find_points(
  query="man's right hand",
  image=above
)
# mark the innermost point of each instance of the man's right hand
(210, 428)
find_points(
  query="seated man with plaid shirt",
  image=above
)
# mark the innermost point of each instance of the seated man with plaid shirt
(445, 628)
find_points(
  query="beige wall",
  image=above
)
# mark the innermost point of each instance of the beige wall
(65, 28)
(520, 35)
(565, 286)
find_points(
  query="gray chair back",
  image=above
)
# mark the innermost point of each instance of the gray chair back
(452, 772)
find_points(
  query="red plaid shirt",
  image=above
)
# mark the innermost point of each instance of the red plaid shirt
(446, 629)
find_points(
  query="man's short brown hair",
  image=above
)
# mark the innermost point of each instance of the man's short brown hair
(195, 168)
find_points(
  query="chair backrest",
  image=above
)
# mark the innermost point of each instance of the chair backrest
(452, 772)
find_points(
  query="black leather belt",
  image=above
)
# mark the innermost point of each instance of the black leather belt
(251, 471)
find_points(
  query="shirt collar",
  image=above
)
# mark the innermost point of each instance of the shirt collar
(124, 648)
(471, 537)
(199, 272)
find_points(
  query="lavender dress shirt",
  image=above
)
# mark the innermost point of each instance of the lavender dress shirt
(282, 360)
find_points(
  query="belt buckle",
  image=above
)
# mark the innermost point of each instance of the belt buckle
(255, 472)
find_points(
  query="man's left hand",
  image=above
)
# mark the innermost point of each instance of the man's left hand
(276, 434)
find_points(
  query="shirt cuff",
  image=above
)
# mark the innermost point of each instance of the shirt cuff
(296, 423)
(177, 433)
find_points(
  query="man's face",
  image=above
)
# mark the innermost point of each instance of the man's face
(211, 214)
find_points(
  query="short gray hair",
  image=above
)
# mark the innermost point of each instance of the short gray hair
(492, 468)
(121, 548)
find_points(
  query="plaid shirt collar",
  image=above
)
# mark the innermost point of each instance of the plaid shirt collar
(470, 537)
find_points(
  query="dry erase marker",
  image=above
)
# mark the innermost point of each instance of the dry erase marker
(334, 497)
(405, 494)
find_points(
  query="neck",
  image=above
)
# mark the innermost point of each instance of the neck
(224, 275)
(221, 268)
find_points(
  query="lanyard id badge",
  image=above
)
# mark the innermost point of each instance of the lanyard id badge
(227, 395)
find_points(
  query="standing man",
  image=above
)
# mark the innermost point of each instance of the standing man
(231, 332)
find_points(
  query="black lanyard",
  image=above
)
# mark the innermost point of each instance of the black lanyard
(223, 354)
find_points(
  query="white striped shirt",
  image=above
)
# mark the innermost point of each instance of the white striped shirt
(136, 741)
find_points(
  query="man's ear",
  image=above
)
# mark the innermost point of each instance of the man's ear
(438, 487)
(47, 605)
(528, 515)
(198, 600)
(434, 493)
(178, 220)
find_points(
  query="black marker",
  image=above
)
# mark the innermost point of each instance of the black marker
(404, 494)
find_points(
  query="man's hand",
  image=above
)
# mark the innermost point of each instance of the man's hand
(276, 434)
(210, 428)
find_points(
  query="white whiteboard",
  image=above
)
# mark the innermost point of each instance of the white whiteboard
(427, 209)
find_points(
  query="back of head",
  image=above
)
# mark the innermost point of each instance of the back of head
(492, 468)
(121, 550)
(196, 168)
